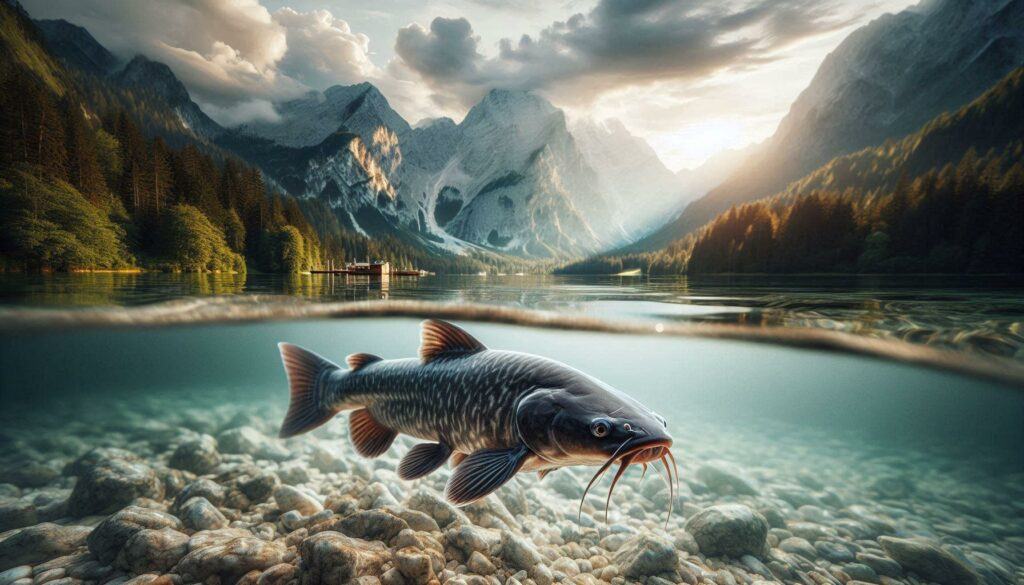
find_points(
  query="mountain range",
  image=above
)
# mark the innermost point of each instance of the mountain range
(516, 177)
(883, 81)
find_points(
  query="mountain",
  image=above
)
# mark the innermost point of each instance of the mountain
(359, 109)
(510, 177)
(712, 172)
(885, 80)
(77, 48)
(947, 198)
(629, 172)
(153, 78)
(517, 182)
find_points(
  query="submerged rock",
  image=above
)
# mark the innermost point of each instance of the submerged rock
(371, 525)
(729, 529)
(929, 561)
(289, 498)
(197, 455)
(39, 543)
(113, 533)
(229, 560)
(331, 557)
(199, 514)
(111, 485)
(249, 441)
(153, 551)
(212, 491)
(646, 555)
(726, 478)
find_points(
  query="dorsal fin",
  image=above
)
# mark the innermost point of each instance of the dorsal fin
(359, 360)
(442, 338)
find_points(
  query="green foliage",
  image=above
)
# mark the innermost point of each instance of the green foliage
(46, 224)
(193, 244)
(927, 203)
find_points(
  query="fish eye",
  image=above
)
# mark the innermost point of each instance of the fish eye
(600, 427)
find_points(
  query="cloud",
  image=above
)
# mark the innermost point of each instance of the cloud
(234, 56)
(618, 43)
(323, 50)
(241, 112)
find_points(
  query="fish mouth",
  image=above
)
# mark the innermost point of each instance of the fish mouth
(638, 450)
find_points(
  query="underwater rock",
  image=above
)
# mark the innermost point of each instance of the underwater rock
(11, 575)
(259, 487)
(17, 514)
(860, 572)
(229, 560)
(418, 521)
(39, 543)
(290, 498)
(371, 525)
(646, 555)
(153, 551)
(30, 474)
(480, 564)
(726, 478)
(199, 455)
(248, 441)
(929, 561)
(415, 566)
(207, 538)
(881, 565)
(833, 551)
(433, 505)
(212, 491)
(199, 514)
(332, 557)
(107, 539)
(96, 456)
(517, 552)
(278, 575)
(466, 539)
(729, 529)
(111, 485)
(799, 546)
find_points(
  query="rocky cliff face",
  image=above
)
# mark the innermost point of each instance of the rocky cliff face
(307, 121)
(155, 78)
(883, 81)
(76, 47)
(522, 183)
(635, 181)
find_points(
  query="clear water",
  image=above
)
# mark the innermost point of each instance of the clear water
(840, 449)
(983, 315)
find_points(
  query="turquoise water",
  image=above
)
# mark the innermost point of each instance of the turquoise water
(982, 315)
(841, 455)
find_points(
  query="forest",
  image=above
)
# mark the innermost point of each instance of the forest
(98, 176)
(949, 198)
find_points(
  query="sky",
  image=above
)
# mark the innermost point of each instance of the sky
(691, 77)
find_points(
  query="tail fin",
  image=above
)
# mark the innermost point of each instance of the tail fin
(305, 371)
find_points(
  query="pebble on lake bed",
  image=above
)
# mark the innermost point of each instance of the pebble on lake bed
(163, 502)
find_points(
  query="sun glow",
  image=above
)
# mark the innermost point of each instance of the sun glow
(691, 145)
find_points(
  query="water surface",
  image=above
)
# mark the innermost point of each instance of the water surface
(982, 315)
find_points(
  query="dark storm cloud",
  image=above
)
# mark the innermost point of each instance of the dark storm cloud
(618, 43)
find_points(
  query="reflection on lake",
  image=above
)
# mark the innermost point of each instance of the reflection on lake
(980, 314)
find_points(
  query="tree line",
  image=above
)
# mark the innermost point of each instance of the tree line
(98, 176)
(928, 202)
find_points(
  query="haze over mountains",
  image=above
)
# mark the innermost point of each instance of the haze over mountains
(516, 177)
(883, 81)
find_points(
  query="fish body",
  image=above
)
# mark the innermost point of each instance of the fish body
(492, 413)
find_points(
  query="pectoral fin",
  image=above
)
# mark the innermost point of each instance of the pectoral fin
(422, 460)
(483, 472)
